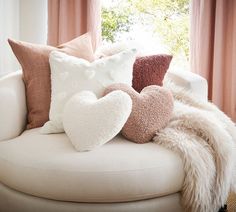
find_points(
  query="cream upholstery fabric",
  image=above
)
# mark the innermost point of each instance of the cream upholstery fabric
(12, 106)
(48, 166)
(190, 81)
(13, 201)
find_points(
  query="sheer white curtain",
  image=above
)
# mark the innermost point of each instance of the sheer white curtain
(24, 20)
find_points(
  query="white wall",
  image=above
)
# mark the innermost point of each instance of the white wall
(24, 20)
(33, 21)
(9, 28)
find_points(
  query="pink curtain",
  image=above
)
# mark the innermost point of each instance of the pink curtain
(213, 49)
(68, 19)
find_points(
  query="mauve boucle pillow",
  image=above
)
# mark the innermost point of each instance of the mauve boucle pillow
(151, 111)
(150, 70)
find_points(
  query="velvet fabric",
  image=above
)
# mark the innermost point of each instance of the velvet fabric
(213, 50)
(34, 60)
(68, 19)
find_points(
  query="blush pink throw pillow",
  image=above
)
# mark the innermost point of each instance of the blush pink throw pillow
(151, 111)
(150, 70)
(34, 60)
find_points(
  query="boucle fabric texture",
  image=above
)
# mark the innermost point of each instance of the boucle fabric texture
(90, 122)
(205, 139)
(70, 75)
(150, 70)
(151, 111)
(34, 60)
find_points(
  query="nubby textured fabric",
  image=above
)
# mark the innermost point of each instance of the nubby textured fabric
(151, 111)
(90, 122)
(71, 75)
(150, 70)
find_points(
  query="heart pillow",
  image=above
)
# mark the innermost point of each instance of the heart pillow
(90, 122)
(151, 111)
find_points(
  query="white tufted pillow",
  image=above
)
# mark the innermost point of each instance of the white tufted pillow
(70, 75)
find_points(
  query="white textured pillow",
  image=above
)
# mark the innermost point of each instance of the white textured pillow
(114, 48)
(90, 122)
(70, 75)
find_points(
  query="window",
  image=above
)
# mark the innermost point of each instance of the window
(161, 26)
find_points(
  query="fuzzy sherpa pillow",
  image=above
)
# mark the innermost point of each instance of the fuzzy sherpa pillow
(90, 122)
(70, 75)
(151, 111)
(150, 70)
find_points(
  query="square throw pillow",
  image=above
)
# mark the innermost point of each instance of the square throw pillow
(150, 70)
(34, 60)
(70, 75)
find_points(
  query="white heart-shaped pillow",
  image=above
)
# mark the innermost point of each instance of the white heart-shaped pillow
(90, 122)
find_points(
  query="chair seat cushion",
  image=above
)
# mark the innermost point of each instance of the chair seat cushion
(48, 166)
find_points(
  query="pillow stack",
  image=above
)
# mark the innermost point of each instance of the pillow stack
(65, 89)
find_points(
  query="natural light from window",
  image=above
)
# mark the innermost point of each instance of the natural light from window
(158, 26)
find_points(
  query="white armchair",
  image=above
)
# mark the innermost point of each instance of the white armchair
(44, 173)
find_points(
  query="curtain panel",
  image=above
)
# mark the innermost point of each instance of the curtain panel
(213, 49)
(67, 19)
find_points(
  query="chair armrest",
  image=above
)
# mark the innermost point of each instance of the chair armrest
(13, 108)
(190, 81)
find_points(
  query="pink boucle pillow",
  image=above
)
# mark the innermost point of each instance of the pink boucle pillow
(150, 70)
(151, 111)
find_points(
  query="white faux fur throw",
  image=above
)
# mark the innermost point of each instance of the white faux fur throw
(205, 139)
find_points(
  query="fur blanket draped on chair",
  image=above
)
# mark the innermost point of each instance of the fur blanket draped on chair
(205, 139)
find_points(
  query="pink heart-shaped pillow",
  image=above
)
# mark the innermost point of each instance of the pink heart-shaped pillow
(151, 111)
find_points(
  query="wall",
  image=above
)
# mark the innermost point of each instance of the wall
(24, 20)
(33, 21)
(9, 27)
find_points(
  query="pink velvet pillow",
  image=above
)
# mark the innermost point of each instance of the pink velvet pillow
(34, 60)
(150, 70)
(151, 111)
